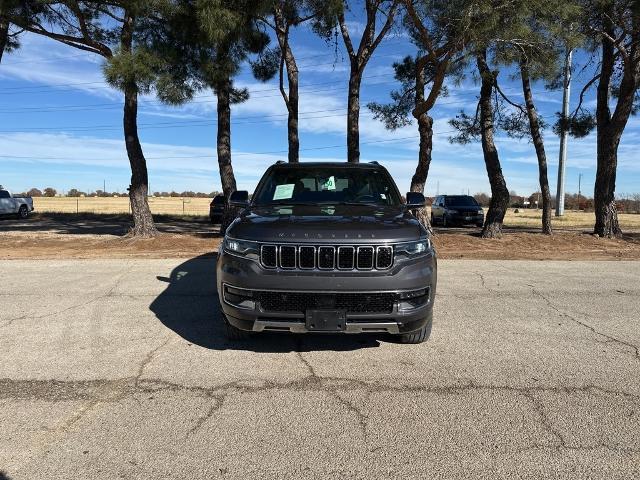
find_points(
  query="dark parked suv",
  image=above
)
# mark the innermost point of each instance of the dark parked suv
(327, 247)
(447, 210)
(216, 209)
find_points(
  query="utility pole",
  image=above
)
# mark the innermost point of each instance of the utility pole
(579, 189)
(564, 134)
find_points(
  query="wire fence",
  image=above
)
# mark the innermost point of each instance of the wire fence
(120, 205)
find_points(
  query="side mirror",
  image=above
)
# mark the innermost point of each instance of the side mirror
(239, 198)
(415, 200)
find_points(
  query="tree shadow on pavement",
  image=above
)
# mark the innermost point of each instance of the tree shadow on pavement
(189, 306)
(106, 224)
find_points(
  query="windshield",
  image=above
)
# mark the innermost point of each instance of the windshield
(332, 185)
(460, 201)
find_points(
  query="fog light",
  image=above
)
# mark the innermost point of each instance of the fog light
(413, 300)
(239, 298)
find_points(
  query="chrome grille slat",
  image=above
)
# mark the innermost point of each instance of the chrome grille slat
(364, 258)
(288, 254)
(324, 254)
(269, 256)
(327, 257)
(346, 258)
(384, 257)
(306, 253)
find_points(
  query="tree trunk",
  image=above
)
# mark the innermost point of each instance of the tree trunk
(610, 130)
(538, 142)
(353, 115)
(292, 107)
(4, 35)
(499, 192)
(604, 193)
(143, 225)
(227, 178)
(291, 99)
(419, 179)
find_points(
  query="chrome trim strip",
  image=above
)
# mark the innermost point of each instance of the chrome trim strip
(224, 297)
(350, 327)
(328, 291)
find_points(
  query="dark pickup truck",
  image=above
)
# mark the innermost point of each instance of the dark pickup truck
(327, 247)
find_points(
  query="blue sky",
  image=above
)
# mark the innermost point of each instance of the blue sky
(61, 127)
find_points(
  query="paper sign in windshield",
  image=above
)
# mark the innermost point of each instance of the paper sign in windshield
(283, 191)
(329, 184)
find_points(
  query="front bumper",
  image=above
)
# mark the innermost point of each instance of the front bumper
(463, 219)
(405, 276)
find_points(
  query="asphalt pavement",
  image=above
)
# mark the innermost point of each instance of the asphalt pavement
(119, 369)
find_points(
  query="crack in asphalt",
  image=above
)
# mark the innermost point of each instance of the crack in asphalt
(313, 378)
(61, 390)
(114, 391)
(564, 314)
(544, 419)
(147, 360)
(218, 402)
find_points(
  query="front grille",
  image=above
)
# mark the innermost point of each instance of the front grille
(325, 257)
(299, 302)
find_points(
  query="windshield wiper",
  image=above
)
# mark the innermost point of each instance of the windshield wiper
(369, 204)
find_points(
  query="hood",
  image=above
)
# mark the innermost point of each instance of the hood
(347, 224)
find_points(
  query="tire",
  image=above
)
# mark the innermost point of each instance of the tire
(233, 333)
(23, 212)
(418, 336)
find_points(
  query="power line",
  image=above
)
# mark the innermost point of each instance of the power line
(324, 147)
(238, 120)
(41, 109)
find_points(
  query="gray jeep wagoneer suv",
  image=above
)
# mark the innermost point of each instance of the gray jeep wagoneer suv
(327, 247)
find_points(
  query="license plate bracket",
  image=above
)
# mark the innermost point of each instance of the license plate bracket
(326, 320)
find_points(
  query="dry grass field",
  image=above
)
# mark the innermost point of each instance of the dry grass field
(200, 206)
(115, 205)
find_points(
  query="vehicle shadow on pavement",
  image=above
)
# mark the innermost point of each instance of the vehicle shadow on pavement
(189, 306)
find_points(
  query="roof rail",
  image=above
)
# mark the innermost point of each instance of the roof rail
(374, 162)
(280, 162)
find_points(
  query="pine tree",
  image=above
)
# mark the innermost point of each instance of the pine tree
(108, 29)
(438, 30)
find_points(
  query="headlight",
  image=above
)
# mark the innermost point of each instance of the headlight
(480, 212)
(413, 249)
(243, 248)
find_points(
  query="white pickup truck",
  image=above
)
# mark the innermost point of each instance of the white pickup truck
(10, 205)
